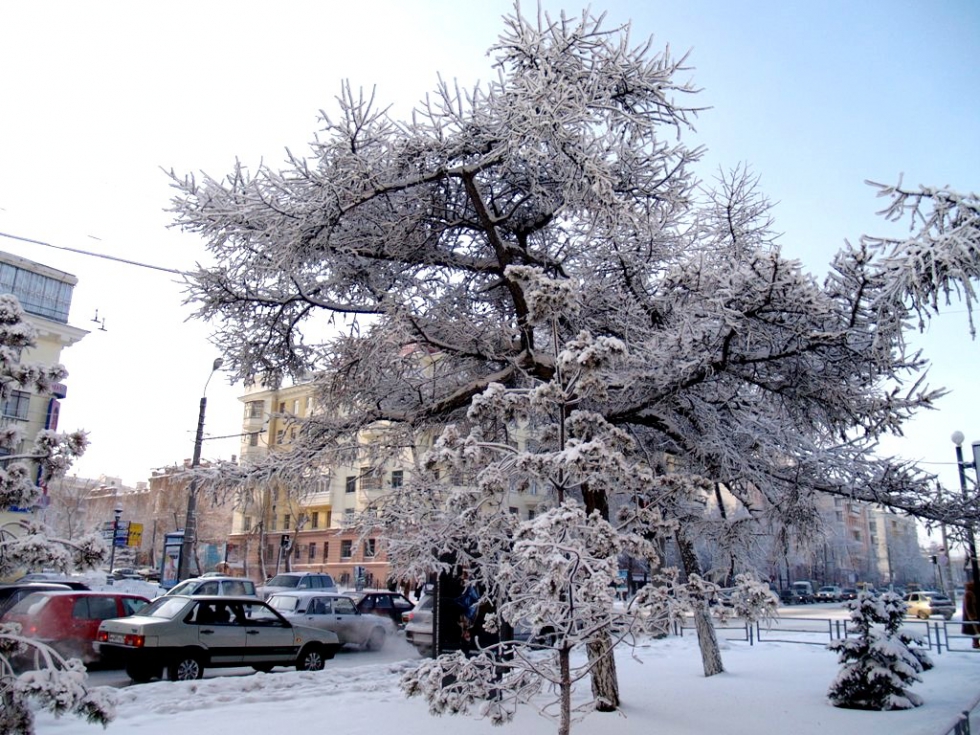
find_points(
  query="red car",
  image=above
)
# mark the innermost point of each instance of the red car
(68, 620)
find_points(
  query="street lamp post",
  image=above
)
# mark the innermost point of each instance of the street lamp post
(190, 522)
(116, 516)
(961, 466)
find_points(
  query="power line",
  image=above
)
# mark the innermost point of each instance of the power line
(94, 255)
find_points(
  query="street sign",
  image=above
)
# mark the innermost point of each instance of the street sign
(135, 536)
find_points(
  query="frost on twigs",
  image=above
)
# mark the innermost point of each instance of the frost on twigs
(45, 680)
(880, 662)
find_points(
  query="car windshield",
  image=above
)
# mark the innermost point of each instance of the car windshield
(284, 603)
(164, 607)
(30, 605)
(283, 580)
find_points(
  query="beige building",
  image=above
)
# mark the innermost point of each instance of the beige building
(45, 295)
(274, 530)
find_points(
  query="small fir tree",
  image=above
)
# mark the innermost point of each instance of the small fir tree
(881, 662)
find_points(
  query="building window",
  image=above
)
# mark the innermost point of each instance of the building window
(348, 516)
(312, 552)
(326, 551)
(840, 516)
(309, 404)
(346, 548)
(514, 510)
(296, 407)
(280, 435)
(397, 478)
(247, 523)
(369, 548)
(285, 522)
(282, 407)
(315, 519)
(270, 551)
(40, 295)
(272, 520)
(253, 409)
(530, 514)
(253, 439)
(15, 407)
(351, 484)
(857, 535)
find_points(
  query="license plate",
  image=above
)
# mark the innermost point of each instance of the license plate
(117, 638)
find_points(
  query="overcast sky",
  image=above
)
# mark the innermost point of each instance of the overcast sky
(96, 98)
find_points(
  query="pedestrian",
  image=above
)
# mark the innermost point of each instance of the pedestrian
(971, 623)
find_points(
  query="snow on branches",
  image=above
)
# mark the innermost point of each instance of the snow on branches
(880, 661)
(25, 545)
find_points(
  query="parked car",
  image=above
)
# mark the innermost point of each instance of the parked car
(418, 628)
(418, 625)
(292, 581)
(124, 573)
(791, 596)
(54, 578)
(926, 603)
(11, 594)
(68, 620)
(336, 613)
(829, 593)
(211, 585)
(185, 634)
(388, 604)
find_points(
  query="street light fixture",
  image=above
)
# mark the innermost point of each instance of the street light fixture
(190, 522)
(116, 516)
(958, 439)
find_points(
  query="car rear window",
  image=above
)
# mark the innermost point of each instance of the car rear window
(284, 580)
(30, 605)
(238, 587)
(95, 608)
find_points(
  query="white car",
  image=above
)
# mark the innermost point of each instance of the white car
(184, 634)
(295, 581)
(215, 585)
(336, 613)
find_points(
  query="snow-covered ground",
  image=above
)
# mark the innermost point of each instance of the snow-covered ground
(767, 688)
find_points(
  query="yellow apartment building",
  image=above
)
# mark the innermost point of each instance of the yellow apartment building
(45, 294)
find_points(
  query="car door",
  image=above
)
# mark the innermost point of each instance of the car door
(219, 631)
(346, 618)
(268, 636)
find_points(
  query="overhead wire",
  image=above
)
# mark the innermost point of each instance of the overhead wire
(94, 255)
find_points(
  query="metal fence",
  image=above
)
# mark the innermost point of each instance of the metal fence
(936, 635)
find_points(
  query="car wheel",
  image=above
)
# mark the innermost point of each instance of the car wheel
(310, 658)
(922, 615)
(376, 641)
(949, 616)
(263, 668)
(185, 668)
(140, 674)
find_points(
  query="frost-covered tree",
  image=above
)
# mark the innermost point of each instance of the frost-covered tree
(415, 239)
(53, 682)
(880, 661)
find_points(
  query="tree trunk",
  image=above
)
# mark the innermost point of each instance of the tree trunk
(605, 683)
(565, 689)
(708, 643)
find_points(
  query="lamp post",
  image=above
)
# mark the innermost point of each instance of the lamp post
(961, 466)
(116, 516)
(190, 521)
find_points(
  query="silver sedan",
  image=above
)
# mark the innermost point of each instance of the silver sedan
(336, 613)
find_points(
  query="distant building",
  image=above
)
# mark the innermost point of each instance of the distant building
(45, 295)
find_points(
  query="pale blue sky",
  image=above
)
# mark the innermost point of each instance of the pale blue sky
(815, 96)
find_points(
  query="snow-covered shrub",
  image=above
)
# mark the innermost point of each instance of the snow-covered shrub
(880, 662)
